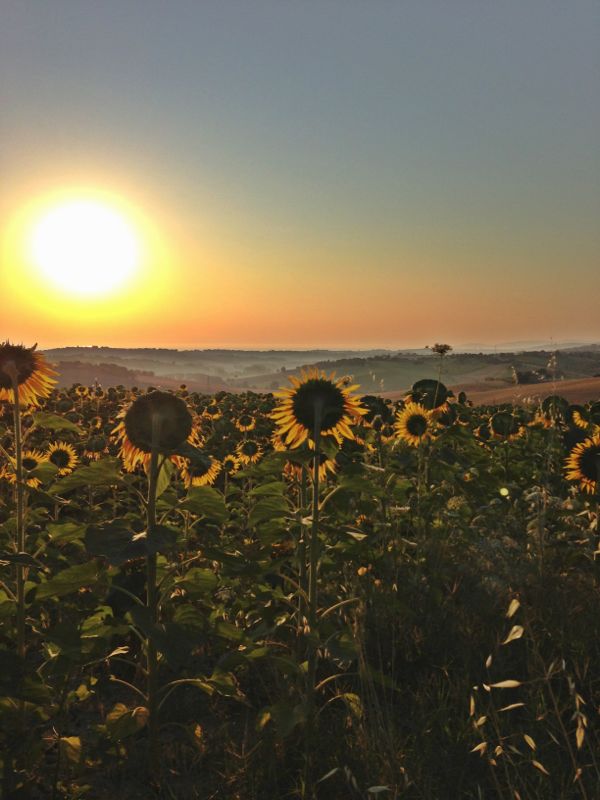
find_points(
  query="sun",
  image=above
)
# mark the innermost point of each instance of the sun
(84, 247)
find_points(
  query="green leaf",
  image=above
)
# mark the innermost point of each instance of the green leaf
(271, 488)
(67, 581)
(70, 748)
(188, 616)
(122, 721)
(198, 581)
(228, 631)
(53, 422)
(45, 471)
(208, 502)
(113, 541)
(165, 474)
(268, 508)
(105, 472)
(19, 559)
(162, 539)
(284, 716)
(65, 532)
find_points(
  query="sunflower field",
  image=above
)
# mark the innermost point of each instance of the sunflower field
(307, 594)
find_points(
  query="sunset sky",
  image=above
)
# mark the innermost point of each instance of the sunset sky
(296, 174)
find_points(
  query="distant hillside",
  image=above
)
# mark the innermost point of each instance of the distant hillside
(374, 370)
(70, 372)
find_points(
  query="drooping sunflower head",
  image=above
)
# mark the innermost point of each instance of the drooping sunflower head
(583, 464)
(28, 369)
(319, 403)
(505, 425)
(63, 456)
(200, 473)
(414, 424)
(157, 419)
(249, 451)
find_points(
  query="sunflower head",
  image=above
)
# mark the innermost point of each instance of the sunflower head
(31, 460)
(249, 451)
(63, 456)
(245, 423)
(199, 473)
(318, 404)
(414, 424)
(505, 425)
(230, 464)
(583, 465)
(26, 368)
(158, 419)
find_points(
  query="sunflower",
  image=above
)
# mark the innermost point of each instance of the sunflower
(327, 466)
(199, 474)
(580, 417)
(63, 456)
(157, 415)
(245, 423)
(505, 425)
(230, 464)
(212, 411)
(29, 369)
(95, 447)
(583, 464)
(249, 451)
(313, 398)
(31, 460)
(413, 424)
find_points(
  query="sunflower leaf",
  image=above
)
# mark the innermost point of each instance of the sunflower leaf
(54, 422)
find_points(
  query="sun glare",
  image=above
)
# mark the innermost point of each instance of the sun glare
(85, 248)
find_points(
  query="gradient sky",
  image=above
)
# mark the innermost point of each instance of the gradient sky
(316, 173)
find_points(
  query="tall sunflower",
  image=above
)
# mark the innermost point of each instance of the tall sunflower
(29, 369)
(414, 424)
(63, 456)
(316, 399)
(583, 464)
(156, 414)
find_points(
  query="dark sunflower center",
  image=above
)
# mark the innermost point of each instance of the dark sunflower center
(198, 470)
(416, 425)
(60, 458)
(318, 394)
(588, 462)
(29, 463)
(250, 448)
(22, 358)
(245, 420)
(174, 421)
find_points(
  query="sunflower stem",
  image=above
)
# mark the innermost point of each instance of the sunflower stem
(20, 520)
(152, 604)
(308, 785)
